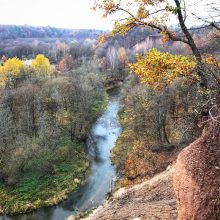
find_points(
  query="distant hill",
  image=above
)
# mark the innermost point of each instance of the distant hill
(24, 31)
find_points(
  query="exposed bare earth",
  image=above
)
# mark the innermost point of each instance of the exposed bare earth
(152, 199)
(197, 177)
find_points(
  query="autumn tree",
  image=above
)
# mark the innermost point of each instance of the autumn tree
(41, 65)
(61, 50)
(62, 66)
(155, 14)
(67, 63)
(10, 70)
(122, 55)
(158, 69)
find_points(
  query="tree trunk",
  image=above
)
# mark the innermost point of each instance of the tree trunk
(192, 45)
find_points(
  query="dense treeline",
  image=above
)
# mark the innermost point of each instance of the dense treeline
(154, 124)
(27, 41)
(25, 31)
(39, 113)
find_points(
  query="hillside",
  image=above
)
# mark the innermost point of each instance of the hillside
(28, 41)
(25, 31)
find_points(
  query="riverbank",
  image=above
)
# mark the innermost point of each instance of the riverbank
(152, 199)
(34, 191)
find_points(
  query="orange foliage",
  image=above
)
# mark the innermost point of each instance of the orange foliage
(140, 161)
(62, 66)
(212, 61)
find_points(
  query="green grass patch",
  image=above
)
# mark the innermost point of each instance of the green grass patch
(33, 190)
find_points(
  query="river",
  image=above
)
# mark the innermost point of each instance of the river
(92, 193)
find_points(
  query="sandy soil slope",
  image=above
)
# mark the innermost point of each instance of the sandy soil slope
(152, 199)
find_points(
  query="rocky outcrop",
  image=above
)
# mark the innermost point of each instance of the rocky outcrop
(152, 199)
(197, 177)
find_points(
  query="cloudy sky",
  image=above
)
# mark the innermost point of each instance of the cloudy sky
(58, 13)
(69, 13)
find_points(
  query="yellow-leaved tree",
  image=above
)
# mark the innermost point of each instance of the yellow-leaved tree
(10, 69)
(157, 69)
(42, 66)
(122, 55)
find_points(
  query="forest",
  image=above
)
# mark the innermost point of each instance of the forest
(55, 83)
(25, 31)
(46, 113)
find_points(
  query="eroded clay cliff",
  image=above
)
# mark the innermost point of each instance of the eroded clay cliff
(197, 177)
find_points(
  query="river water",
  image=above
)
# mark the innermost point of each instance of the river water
(103, 136)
